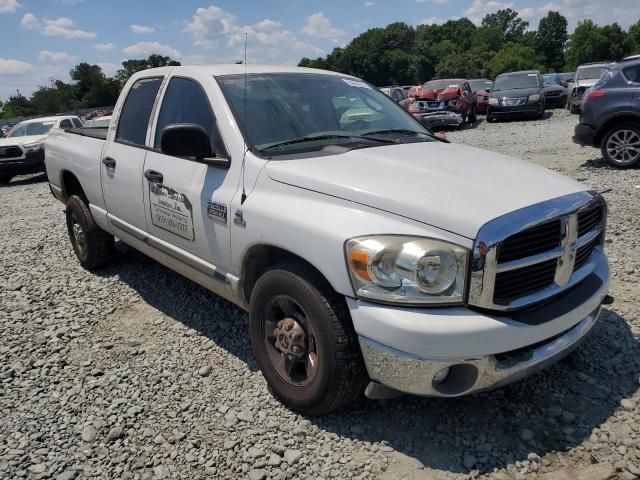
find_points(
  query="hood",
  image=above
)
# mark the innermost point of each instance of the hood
(515, 92)
(22, 140)
(450, 186)
(554, 88)
(439, 94)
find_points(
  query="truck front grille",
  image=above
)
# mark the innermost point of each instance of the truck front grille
(12, 151)
(536, 260)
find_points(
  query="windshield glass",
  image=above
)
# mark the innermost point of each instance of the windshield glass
(285, 111)
(509, 82)
(590, 73)
(438, 84)
(33, 128)
(553, 79)
(480, 84)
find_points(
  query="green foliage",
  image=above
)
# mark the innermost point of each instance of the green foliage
(402, 54)
(551, 40)
(89, 87)
(592, 43)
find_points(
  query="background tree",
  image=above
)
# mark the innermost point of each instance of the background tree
(17, 106)
(514, 57)
(551, 40)
(508, 22)
(591, 43)
(129, 67)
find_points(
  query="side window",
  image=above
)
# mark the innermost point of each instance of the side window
(134, 117)
(66, 123)
(76, 122)
(632, 73)
(396, 95)
(186, 102)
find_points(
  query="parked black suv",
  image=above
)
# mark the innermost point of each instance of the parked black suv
(610, 116)
(516, 94)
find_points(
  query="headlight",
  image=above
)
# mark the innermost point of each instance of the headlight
(534, 98)
(33, 147)
(453, 103)
(407, 270)
(493, 101)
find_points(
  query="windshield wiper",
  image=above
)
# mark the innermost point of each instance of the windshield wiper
(311, 138)
(404, 131)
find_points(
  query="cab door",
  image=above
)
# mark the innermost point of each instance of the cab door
(187, 201)
(123, 161)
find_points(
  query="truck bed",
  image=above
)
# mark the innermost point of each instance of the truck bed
(93, 132)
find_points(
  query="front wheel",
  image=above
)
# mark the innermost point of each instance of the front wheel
(92, 245)
(303, 340)
(621, 145)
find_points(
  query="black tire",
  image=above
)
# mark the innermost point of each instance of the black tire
(340, 376)
(634, 128)
(93, 246)
(574, 109)
(5, 179)
(491, 119)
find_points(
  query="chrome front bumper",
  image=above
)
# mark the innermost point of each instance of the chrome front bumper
(392, 369)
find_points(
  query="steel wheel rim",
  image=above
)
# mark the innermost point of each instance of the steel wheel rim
(623, 146)
(297, 370)
(79, 236)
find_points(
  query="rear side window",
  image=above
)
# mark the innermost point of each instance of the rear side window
(132, 127)
(66, 123)
(186, 102)
(632, 73)
(76, 122)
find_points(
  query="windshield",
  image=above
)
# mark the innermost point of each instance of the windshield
(480, 84)
(288, 112)
(32, 128)
(553, 79)
(590, 73)
(509, 82)
(439, 84)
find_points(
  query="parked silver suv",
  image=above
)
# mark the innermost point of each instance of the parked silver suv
(586, 76)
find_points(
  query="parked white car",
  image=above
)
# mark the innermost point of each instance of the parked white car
(100, 122)
(22, 152)
(371, 255)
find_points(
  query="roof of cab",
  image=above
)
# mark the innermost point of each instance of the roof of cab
(48, 119)
(521, 72)
(233, 69)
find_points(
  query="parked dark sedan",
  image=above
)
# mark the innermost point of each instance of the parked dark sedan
(610, 115)
(517, 94)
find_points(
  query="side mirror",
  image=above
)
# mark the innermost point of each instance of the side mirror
(186, 140)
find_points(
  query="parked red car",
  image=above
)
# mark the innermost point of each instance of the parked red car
(448, 103)
(482, 89)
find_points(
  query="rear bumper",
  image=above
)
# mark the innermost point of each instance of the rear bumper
(33, 162)
(404, 349)
(584, 135)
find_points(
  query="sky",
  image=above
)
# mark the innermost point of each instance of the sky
(43, 39)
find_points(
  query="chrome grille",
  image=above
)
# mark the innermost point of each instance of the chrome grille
(536, 252)
(514, 101)
(12, 151)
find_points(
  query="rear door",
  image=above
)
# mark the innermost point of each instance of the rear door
(123, 160)
(187, 200)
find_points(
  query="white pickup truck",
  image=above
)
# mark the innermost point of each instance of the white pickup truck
(372, 256)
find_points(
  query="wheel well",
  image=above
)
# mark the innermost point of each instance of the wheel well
(258, 259)
(71, 186)
(609, 124)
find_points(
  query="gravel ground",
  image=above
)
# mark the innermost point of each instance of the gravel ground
(137, 373)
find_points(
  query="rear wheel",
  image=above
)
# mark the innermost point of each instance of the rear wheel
(621, 145)
(303, 340)
(4, 179)
(92, 245)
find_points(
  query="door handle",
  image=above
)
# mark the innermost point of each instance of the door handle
(109, 162)
(153, 176)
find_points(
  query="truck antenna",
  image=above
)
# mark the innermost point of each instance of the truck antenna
(243, 197)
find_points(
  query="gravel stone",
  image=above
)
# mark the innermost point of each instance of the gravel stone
(123, 348)
(114, 434)
(176, 437)
(257, 474)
